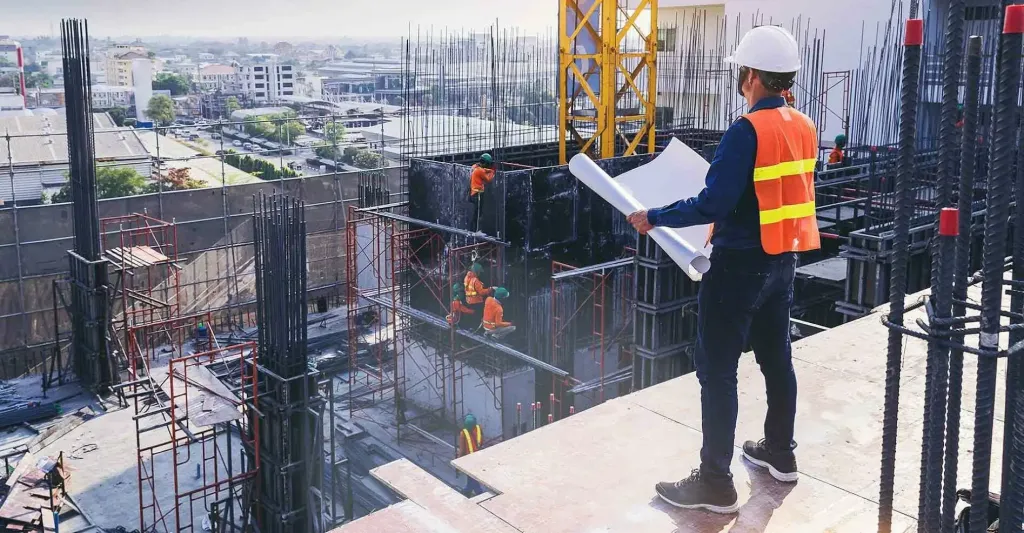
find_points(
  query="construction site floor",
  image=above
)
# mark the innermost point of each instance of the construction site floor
(596, 470)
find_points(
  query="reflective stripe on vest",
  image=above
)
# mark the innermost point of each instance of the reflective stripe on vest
(787, 151)
(467, 282)
(472, 446)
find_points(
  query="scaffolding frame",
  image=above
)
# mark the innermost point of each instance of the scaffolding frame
(225, 492)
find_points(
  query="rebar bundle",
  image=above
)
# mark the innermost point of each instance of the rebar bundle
(88, 307)
(291, 453)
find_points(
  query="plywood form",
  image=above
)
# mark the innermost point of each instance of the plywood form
(404, 517)
(444, 503)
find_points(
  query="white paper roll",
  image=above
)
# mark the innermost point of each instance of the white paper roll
(689, 257)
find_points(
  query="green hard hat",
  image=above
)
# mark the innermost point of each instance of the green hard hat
(477, 268)
(486, 158)
(457, 289)
(501, 293)
(469, 422)
(841, 139)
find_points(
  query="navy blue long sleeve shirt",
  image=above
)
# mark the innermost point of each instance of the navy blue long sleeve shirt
(728, 199)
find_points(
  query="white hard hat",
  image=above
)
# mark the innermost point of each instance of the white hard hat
(768, 49)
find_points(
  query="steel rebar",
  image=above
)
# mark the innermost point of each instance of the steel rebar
(1000, 184)
(914, 39)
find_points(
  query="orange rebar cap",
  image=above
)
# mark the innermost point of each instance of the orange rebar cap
(914, 35)
(1014, 23)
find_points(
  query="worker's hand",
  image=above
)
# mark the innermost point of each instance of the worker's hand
(639, 222)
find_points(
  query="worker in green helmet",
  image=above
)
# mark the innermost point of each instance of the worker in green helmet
(494, 315)
(459, 306)
(471, 439)
(476, 291)
(479, 177)
(837, 156)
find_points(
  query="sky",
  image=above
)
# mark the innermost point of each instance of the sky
(271, 18)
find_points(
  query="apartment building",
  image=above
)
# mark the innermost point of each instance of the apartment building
(266, 79)
(119, 64)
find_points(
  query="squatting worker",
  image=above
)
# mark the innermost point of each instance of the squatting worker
(759, 196)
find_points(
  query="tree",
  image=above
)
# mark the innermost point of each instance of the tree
(111, 182)
(38, 79)
(165, 81)
(177, 179)
(161, 109)
(334, 133)
(118, 115)
(367, 160)
(285, 128)
(231, 105)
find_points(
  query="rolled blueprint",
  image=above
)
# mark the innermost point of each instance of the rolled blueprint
(689, 256)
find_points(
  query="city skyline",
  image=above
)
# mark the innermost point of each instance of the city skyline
(263, 19)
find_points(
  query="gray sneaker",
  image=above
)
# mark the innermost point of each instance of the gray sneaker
(700, 492)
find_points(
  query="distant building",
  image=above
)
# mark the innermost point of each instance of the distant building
(12, 74)
(40, 153)
(142, 74)
(265, 79)
(118, 63)
(367, 80)
(110, 96)
(217, 77)
(215, 105)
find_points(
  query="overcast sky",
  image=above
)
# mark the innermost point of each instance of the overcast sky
(271, 18)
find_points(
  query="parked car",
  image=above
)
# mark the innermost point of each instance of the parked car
(193, 137)
(247, 146)
(236, 143)
(215, 136)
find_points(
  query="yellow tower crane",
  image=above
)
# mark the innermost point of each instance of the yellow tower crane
(607, 77)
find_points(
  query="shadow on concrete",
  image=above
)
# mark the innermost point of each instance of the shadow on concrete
(766, 495)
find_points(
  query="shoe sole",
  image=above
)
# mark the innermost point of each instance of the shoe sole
(732, 509)
(785, 477)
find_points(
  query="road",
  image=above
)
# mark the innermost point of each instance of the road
(299, 155)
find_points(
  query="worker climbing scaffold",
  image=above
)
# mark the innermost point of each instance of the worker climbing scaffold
(481, 175)
(476, 292)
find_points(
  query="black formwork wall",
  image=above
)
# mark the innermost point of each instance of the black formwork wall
(545, 214)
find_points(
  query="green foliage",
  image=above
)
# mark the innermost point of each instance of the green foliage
(231, 105)
(178, 85)
(258, 167)
(111, 182)
(161, 110)
(283, 128)
(333, 135)
(367, 159)
(41, 80)
(118, 115)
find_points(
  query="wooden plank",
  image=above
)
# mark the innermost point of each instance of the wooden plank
(440, 500)
(403, 517)
(209, 400)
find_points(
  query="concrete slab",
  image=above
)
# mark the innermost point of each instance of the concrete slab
(404, 517)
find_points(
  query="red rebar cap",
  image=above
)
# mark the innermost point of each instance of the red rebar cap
(915, 32)
(949, 222)
(1014, 19)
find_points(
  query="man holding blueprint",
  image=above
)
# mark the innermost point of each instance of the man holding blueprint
(759, 198)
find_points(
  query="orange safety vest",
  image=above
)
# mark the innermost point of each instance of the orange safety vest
(494, 314)
(475, 291)
(479, 178)
(471, 445)
(835, 156)
(787, 153)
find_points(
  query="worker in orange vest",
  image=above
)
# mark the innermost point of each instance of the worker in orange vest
(479, 177)
(458, 308)
(759, 193)
(836, 156)
(476, 292)
(494, 315)
(471, 439)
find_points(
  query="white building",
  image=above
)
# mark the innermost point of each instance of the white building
(110, 96)
(119, 64)
(216, 77)
(266, 80)
(142, 73)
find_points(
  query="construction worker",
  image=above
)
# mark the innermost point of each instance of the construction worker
(759, 195)
(481, 175)
(458, 307)
(202, 336)
(836, 156)
(476, 293)
(494, 315)
(471, 439)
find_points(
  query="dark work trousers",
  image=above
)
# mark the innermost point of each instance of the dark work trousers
(477, 201)
(745, 297)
